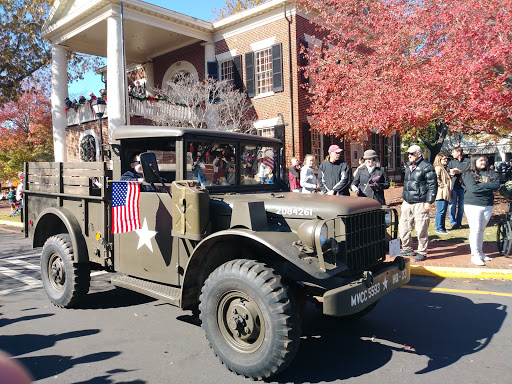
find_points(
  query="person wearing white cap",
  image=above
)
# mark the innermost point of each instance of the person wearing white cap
(419, 192)
(333, 174)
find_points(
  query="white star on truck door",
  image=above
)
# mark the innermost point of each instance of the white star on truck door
(145, 236)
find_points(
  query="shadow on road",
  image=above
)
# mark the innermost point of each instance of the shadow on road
(42, 367)
(442, 327)
(114, 298)
(4, 321)
(108, 380)
(17, 345)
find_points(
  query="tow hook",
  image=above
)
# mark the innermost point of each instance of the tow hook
(368, 278)
(400, 261)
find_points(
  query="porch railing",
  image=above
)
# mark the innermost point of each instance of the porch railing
(142, 108)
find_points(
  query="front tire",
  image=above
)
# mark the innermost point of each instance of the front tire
(249, 319)
(65, 282)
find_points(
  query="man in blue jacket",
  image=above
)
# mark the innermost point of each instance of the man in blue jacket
(420, 188)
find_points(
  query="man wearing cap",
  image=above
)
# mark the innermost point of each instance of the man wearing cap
(371, 180)
(333, 174)
(420, 188)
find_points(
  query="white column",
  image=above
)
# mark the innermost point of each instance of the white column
(150, 79)
(59, 93)
(209, 55)
(116, 92)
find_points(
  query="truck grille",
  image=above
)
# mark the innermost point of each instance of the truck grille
(363, 244)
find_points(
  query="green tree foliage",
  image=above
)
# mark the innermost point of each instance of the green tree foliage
(26, 132)
(24, 52)
(235, 6)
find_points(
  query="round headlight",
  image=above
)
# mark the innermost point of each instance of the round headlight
(307, 231)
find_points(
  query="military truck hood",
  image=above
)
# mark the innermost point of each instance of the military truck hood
(291, 204)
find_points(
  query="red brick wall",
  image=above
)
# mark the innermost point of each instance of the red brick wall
(194, 54)
(267, 107)
(264, 108)
(73, 137)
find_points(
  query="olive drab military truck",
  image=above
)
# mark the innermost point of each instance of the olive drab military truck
(218, 236)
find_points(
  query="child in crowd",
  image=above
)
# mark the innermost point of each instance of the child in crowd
(12, 198)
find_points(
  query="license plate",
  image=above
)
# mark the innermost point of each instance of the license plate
(394, 247)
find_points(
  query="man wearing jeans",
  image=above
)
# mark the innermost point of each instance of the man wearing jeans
(456, 166)
(420, 188)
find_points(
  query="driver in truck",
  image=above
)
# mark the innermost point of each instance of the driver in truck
(135, 173)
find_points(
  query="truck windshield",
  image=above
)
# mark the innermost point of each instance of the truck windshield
(224, 164)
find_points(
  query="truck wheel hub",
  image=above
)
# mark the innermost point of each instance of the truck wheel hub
(57, 275)
(241, 325)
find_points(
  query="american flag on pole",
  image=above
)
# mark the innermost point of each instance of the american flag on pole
(268, 162)
(125, 206)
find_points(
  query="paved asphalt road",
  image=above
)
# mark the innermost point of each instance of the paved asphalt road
(432, 331)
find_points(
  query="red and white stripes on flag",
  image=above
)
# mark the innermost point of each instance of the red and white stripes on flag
(125, 206)
(269, 162)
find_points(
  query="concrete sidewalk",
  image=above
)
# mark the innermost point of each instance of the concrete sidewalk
(452, 259)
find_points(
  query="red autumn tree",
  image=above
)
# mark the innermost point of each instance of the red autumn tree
(406, 65)
(26, 132)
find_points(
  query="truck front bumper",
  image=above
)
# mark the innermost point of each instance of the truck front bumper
(359, 294)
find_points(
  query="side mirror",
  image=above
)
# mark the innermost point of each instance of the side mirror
(150, 167)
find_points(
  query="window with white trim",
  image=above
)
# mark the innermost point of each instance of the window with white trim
(263, 61)
(226, 71)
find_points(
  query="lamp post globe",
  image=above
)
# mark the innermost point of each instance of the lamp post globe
(99, 107)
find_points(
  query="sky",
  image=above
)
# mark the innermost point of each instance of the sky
(202, 9)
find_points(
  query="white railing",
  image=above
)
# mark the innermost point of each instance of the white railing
(150, 109)
(142, 108)
(82, 114)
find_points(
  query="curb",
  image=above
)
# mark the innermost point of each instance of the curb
(470, 273)
(11, 223)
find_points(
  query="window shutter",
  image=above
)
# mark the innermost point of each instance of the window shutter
(237, 72)
(213, 69)
(277, 68)
(303, 61)
(306, 139)
(249, 73)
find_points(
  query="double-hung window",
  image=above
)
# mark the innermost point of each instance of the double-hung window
(226, 71)
(263, 60)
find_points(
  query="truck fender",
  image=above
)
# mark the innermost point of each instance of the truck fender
(55, 220)
(230, 244)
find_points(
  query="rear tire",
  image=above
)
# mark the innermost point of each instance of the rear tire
(249, 319)
(65, 282)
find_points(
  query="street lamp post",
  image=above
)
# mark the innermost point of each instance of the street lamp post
(99, 106)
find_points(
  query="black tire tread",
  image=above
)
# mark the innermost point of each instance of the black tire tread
(285, 317)
(77, 273)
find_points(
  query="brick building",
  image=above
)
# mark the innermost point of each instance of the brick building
(258, 49)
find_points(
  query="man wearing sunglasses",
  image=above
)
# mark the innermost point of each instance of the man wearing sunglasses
(419, 193)
(135, 173)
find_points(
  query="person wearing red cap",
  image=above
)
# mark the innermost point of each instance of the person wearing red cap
(334, 174)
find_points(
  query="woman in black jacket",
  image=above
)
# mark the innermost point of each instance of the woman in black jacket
(371, 180)
(479, 183)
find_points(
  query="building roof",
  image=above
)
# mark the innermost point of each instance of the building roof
(81, 25)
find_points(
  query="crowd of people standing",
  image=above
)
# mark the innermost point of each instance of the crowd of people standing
(457, 186)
